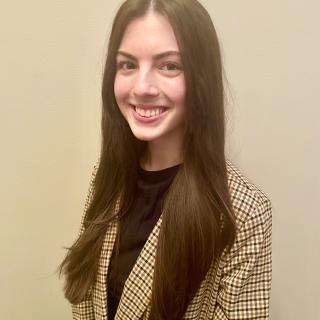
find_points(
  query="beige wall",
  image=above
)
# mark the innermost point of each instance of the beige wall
(51, 65)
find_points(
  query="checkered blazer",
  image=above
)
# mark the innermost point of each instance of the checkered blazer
(237, 286)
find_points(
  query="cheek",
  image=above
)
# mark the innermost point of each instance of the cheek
(121, 88)
(177, 91)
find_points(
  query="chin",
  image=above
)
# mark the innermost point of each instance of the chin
(144, 137)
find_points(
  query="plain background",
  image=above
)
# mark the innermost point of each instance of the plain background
(51, 60)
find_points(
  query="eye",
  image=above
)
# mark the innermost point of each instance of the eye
(171, 67)
(125, 65)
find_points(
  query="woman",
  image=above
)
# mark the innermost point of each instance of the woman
(171, 229)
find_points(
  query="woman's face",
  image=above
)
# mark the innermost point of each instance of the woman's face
(149, 84)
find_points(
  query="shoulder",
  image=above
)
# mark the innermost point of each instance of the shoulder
(95, 167)
(94, 171)
(93, 176)
(249, 202)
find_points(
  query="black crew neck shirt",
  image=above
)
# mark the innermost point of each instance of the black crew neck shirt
(135, 228)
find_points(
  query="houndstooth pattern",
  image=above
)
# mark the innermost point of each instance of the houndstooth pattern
(236, 287)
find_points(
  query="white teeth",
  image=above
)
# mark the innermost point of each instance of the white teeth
(149, 113)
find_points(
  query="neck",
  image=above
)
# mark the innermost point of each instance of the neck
(159, 156)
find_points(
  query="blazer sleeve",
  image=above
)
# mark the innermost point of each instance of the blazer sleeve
(244, 289)
(84, 310)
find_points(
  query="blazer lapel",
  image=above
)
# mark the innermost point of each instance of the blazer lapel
(137, 290)
(99, 294)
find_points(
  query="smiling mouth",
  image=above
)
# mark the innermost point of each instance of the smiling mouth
(149, 112)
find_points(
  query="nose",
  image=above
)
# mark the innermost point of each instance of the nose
(145, 84)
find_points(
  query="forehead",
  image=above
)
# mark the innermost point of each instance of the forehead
(151, 32)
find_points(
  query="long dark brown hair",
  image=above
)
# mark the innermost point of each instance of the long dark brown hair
(198, 219)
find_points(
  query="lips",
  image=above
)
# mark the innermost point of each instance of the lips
(146, 120)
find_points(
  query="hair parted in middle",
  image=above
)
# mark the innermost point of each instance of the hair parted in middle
(198, 221)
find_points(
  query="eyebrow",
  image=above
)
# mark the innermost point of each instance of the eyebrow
(155, 57)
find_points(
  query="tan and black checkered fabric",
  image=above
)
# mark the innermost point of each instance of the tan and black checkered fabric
(235, 287)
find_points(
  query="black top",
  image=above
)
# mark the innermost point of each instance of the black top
(135, 228)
